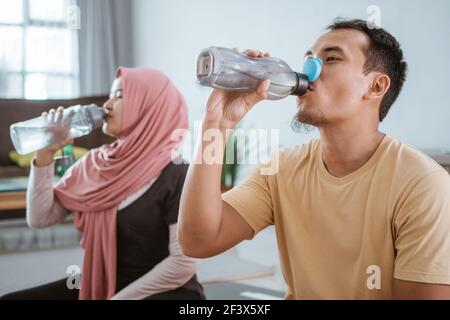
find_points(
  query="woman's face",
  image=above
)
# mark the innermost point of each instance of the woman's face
(113, 120)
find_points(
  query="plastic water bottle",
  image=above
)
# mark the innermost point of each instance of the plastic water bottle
(40, 132)
(229, 70)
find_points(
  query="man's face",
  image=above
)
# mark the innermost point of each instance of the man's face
(338, 93)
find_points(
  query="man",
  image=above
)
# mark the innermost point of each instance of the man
(358, 214)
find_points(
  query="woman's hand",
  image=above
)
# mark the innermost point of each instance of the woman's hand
(44, 157)
(224, 110)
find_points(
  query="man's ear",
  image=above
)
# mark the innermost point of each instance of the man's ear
(379, 86)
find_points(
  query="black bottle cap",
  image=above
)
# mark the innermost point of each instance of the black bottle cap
(302, 85)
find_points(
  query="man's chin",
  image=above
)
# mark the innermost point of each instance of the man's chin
(306, 119)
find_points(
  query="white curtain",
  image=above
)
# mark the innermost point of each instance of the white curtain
(104, 43)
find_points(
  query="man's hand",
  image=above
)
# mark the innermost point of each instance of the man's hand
(225, 109)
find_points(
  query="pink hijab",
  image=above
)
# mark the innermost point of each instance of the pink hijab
(94, 187)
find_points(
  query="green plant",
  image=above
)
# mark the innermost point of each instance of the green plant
(65, 161)
(231, 164)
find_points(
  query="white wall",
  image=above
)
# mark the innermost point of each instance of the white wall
(169, 34)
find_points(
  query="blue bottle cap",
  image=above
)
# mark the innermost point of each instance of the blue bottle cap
(312, 69)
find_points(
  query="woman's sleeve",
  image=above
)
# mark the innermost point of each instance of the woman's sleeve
(43, 209)
(170, 274)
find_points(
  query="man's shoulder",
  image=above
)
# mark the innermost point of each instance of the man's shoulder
(410, 171)
(409, 160)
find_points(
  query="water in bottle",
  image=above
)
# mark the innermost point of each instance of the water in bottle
(40, 132)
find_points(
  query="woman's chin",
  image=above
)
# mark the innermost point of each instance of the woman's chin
(107, 130)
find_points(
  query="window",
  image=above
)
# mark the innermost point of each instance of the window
(38, 50)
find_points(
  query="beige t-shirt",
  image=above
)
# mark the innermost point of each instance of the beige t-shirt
(347, 238)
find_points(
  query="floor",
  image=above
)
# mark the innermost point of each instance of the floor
(253, 263)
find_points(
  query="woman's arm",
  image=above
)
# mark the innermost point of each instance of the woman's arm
(43, 209)
(170, 274)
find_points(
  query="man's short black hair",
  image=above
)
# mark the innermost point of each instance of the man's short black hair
(383, 55)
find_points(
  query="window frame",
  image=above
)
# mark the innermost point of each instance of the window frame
(28, 22)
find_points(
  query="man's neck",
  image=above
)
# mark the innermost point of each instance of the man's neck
(345, 149)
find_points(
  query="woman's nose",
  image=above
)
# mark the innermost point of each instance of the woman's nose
(107, 105)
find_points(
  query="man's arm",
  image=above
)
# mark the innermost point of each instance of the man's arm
(408, 290)
(207, 225)
(422, 240)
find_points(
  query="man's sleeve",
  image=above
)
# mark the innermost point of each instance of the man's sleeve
(252, 200)
(422, 229)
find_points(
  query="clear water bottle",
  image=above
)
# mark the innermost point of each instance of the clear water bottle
(40, 132)
(230, 70)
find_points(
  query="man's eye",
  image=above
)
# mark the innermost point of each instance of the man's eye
(332, 59)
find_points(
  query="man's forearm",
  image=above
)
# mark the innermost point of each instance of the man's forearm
(201, 201)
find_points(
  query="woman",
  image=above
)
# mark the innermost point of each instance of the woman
(124, 197)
